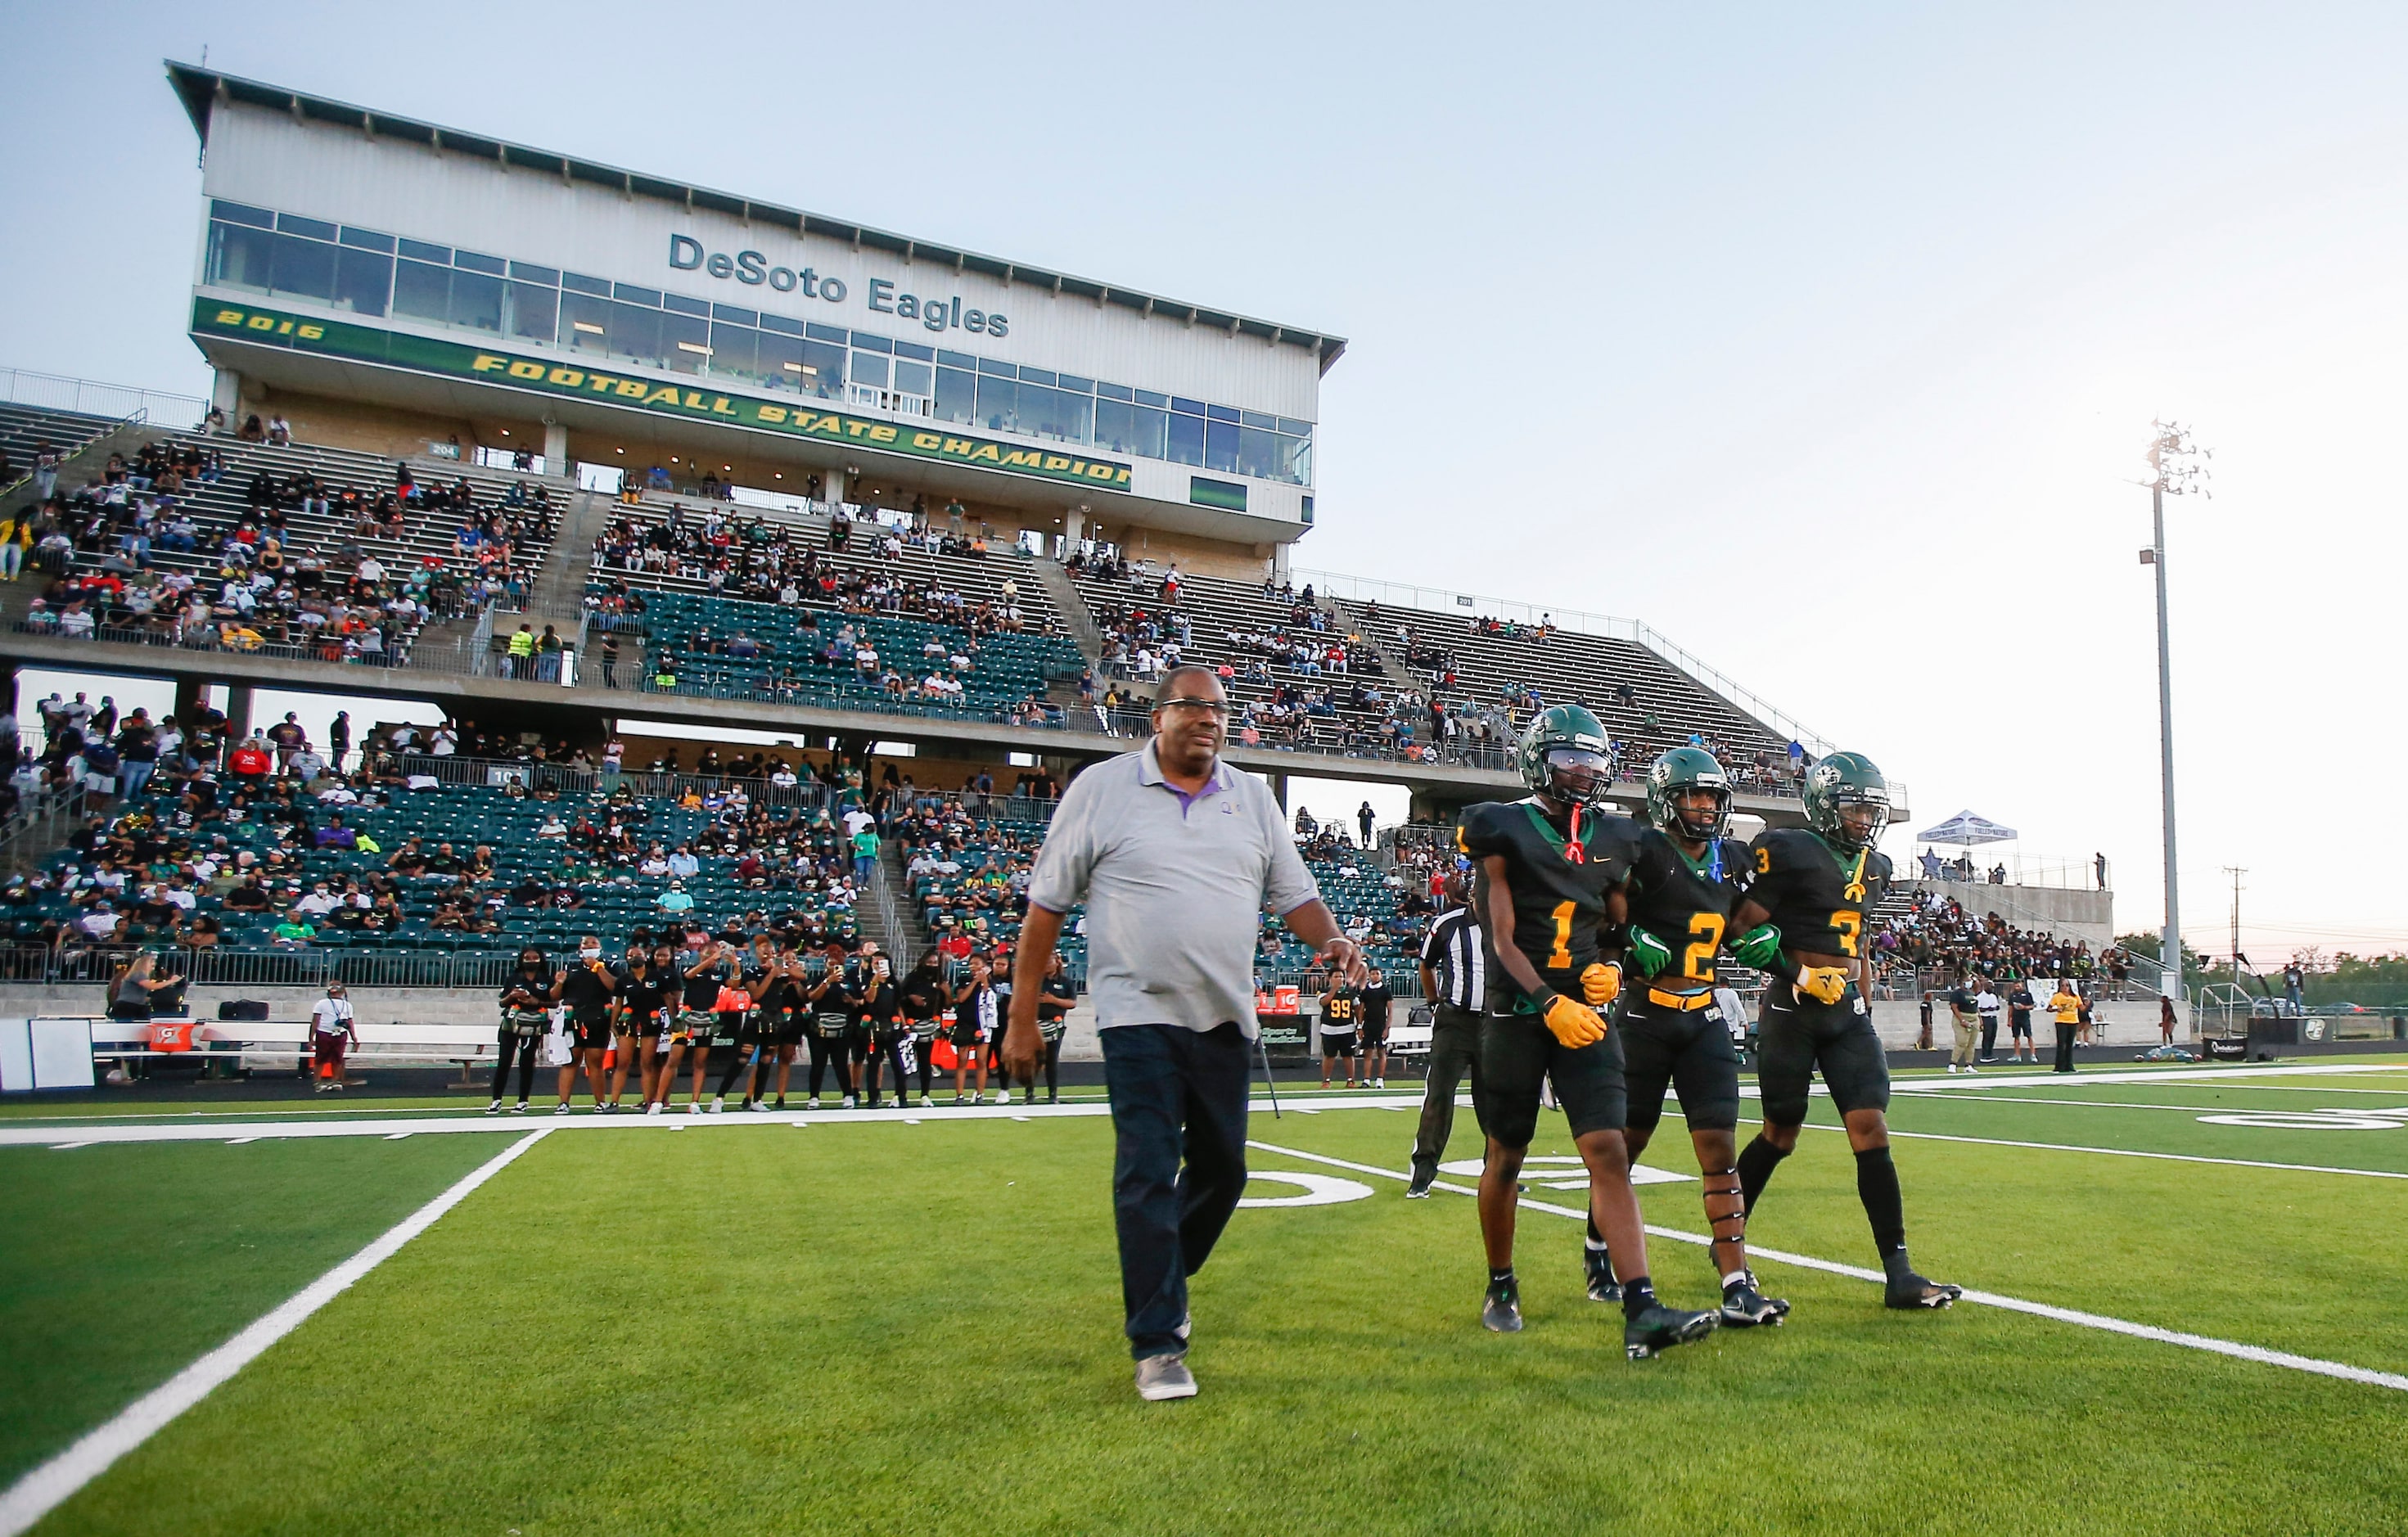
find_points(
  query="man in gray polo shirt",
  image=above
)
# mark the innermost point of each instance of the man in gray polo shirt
(1177, 856)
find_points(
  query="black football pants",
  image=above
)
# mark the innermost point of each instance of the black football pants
(1454, 1051)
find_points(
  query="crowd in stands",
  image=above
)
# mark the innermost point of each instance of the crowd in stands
(1938, 938)
(774, 563)
(137, 550)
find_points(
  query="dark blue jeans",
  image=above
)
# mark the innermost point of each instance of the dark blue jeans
(1177, 1094)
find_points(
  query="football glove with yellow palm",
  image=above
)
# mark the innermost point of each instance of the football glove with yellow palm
(1600, 983)
(1573, 1023)
(1823, 984)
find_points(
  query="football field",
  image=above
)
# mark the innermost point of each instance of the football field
(2183, 1316)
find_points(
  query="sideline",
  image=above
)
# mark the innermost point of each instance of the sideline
(42, 1490)
(2012, 1304)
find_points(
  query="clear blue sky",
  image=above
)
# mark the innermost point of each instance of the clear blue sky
(1826, 339)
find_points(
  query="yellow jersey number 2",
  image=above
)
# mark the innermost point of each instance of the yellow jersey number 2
(1697, 961)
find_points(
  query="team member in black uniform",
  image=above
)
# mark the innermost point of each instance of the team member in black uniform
(787, 1014)
(889, 1037)
(829, 998)
(1816, 884)
(1341, 1020)
(1373, 1003)
(584, 989)
(704, 967)
(1058, 995)
(923, 996)
(756, 1048)
(1685, 883)
(648, 994)
(524, 996)
(1549, 872)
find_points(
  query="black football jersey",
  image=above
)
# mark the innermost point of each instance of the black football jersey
(1340, 1012)
(1817, 897)
(1559, 889)
(1686, 903)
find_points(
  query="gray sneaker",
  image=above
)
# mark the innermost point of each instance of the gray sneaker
(1160, 1377)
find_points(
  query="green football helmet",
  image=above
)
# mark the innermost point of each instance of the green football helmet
(1688, 769)
(1565, 755)
(1841, 781)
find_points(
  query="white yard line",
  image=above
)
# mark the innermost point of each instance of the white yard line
(2132, 1153)
(2141, 1104)
(1987, 1299)
(42, 1490)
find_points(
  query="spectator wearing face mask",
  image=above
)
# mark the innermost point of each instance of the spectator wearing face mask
(584, 989)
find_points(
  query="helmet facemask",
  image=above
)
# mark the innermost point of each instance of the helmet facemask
(1577, 776)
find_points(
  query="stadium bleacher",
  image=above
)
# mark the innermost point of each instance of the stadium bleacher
(1649, 705)
(541, 866)
(806, 654)
(321, 508)
(1295, 685)
(26, 431)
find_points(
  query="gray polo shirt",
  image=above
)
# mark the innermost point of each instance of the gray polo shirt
(1175, 889)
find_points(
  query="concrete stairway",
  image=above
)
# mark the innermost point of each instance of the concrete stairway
(1076, 620)
(560, 587)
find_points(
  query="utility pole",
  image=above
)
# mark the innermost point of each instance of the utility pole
(2172, 471)
(2236, 872)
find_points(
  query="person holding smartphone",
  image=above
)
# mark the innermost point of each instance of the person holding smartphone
(1055, 998)
(584, 989)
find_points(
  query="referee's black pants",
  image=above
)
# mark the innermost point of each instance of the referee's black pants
(1178, 1096)
(2065, 1048)
(1454, 1051)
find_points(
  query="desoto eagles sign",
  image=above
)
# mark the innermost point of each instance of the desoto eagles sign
(931, 313)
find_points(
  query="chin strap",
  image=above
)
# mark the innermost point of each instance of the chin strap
(1572, 850)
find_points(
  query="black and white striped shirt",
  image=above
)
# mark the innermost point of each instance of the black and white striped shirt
(1452, 950)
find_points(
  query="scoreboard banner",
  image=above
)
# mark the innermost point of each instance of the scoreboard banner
(790, 418)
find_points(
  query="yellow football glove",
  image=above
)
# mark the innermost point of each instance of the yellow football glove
(1600, 983)
(1576, 1024)
(1823, 984)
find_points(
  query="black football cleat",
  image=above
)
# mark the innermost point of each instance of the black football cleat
(1744, 1307)
(1659, 1328)
(1913, 1291)
(1500, 1312)
(1602, 1286)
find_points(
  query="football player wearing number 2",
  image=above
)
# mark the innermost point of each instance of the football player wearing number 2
(1685, 880)
(1814, 884)
(1549, 872)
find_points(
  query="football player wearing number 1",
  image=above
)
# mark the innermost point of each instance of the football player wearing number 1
(1549, 872)
(1684, 882)
(1816, 884)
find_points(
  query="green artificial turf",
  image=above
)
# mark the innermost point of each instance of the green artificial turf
(881, 1327)
(119, 1265)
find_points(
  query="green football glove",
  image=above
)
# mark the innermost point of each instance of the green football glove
(1648, 954)
(1758, 947)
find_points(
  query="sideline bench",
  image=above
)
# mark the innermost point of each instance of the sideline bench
(246, 1043)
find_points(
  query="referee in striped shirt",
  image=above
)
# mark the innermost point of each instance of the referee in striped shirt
(1454, 979)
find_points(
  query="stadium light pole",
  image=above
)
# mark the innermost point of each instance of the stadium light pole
(2172, 470)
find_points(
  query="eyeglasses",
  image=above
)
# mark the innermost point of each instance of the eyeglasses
(1217, 709)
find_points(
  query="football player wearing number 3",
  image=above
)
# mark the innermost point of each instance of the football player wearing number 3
(1548, 878)
(1815, 884)
(1685, 880)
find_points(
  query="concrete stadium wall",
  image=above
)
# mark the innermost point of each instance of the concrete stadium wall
(2088, 915)
(2120, 1024)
